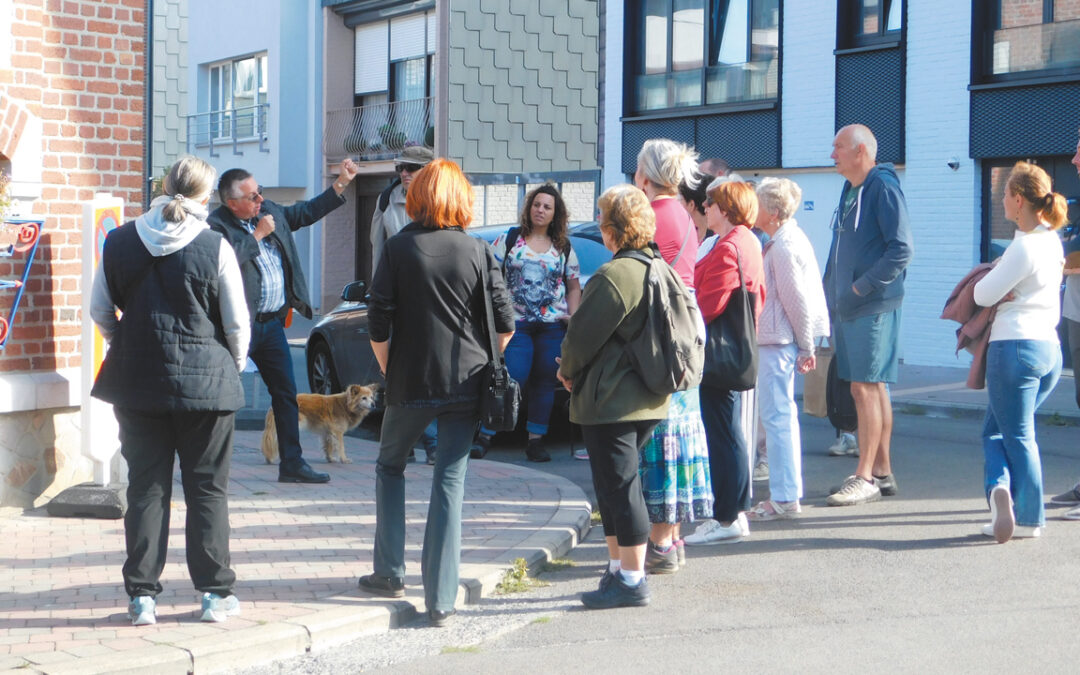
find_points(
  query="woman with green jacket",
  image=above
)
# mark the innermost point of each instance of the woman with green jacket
(615, 409)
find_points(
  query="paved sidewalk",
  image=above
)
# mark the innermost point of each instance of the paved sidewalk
(942, 391)
(297, 551)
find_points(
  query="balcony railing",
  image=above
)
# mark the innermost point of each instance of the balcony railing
(246, 124)
(380, 131)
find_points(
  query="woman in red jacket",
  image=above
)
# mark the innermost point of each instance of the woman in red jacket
(731, 207)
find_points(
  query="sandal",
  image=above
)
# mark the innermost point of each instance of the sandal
(773, 510)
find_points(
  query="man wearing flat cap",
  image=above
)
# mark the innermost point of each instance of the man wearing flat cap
(390, 214)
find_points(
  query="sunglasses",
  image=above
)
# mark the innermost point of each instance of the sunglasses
(253, 197)
(411, 168)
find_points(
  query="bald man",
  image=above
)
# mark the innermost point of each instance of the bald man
(864, 287)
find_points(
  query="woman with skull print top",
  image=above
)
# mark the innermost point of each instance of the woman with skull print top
(542, 277)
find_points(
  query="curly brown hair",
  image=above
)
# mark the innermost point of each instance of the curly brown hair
(558, 229)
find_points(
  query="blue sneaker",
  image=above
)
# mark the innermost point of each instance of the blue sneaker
(216, 608)
(142, 610)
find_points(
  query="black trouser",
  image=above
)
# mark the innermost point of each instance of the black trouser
(613, 457)
(149, 441)
(729, 462)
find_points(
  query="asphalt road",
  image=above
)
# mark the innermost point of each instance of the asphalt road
(903, 585)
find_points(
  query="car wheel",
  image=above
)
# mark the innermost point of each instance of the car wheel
(321, 374)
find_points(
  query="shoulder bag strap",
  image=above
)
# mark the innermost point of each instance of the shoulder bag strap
(682, 248)
(496, 355)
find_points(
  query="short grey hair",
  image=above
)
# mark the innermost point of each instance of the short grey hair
(667, 163)
(861, 135)
(780, 196)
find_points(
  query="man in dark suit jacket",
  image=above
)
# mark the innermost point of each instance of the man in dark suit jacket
(273, 283)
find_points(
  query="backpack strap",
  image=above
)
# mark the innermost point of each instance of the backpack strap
(511, 238)
(636, 255)
(384, 196)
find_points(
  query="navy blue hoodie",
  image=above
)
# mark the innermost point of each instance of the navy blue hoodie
(871, 249)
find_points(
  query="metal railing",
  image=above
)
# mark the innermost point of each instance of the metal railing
(246, 124)
(379, 131)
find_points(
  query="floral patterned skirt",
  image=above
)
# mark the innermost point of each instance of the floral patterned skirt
(674, 465)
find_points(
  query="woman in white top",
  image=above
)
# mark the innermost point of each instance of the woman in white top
(793, 317)
(1023, 360)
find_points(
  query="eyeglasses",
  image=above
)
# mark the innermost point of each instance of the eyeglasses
(411, 168)
(254, 198)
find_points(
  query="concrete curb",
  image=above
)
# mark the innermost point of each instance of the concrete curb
(337, 619)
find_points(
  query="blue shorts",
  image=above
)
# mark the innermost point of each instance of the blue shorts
(868, 348)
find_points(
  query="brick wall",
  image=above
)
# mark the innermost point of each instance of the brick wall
(76, 66)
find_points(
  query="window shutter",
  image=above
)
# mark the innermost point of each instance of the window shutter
(407, 37)
(372, 69)
(431, 32)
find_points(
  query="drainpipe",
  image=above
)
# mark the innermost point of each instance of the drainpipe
(148, 106)
(442, 53)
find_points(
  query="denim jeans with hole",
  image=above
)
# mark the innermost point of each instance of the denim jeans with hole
(1020, 374)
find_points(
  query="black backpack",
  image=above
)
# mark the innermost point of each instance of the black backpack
(838, 400)
(668, 353)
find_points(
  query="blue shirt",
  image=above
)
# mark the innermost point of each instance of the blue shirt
(271, 272)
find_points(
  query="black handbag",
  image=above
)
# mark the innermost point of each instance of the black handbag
(731, 350)
(500, 394)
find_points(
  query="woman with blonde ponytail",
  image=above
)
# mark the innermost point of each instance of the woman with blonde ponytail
(172, 373)
(1023, 360)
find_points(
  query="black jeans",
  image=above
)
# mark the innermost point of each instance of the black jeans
(149, 441)
(613, 458)
(270, 351)
(729, 463)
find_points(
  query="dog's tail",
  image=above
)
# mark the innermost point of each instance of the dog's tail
(269, 438)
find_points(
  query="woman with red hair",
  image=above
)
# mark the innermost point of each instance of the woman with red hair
(730, 209)
(428, 326)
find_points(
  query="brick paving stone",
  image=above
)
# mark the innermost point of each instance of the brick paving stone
(297, 551)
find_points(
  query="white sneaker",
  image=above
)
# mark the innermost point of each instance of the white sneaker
(1019, 531)
(854, 491)
(217, 609)
(845, 444)
(711, 532)
(582, 454)
(1002, 522)
(761, 470)
(1072, 514)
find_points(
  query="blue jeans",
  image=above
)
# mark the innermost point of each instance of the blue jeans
(1020, 374)
(779, 416)
(530, 358)
(440, 557)
(270, 351)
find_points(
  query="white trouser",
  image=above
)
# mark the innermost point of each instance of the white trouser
(780, 417)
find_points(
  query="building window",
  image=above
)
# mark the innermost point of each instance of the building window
(868, 23)
(1018, 39)
(238, 89)
(689, 53)
(997, 231)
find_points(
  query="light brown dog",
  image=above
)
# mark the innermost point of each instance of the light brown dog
(330, 416)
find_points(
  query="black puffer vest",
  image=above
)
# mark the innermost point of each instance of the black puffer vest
(169, 351)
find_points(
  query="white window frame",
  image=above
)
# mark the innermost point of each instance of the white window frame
(222, 118)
